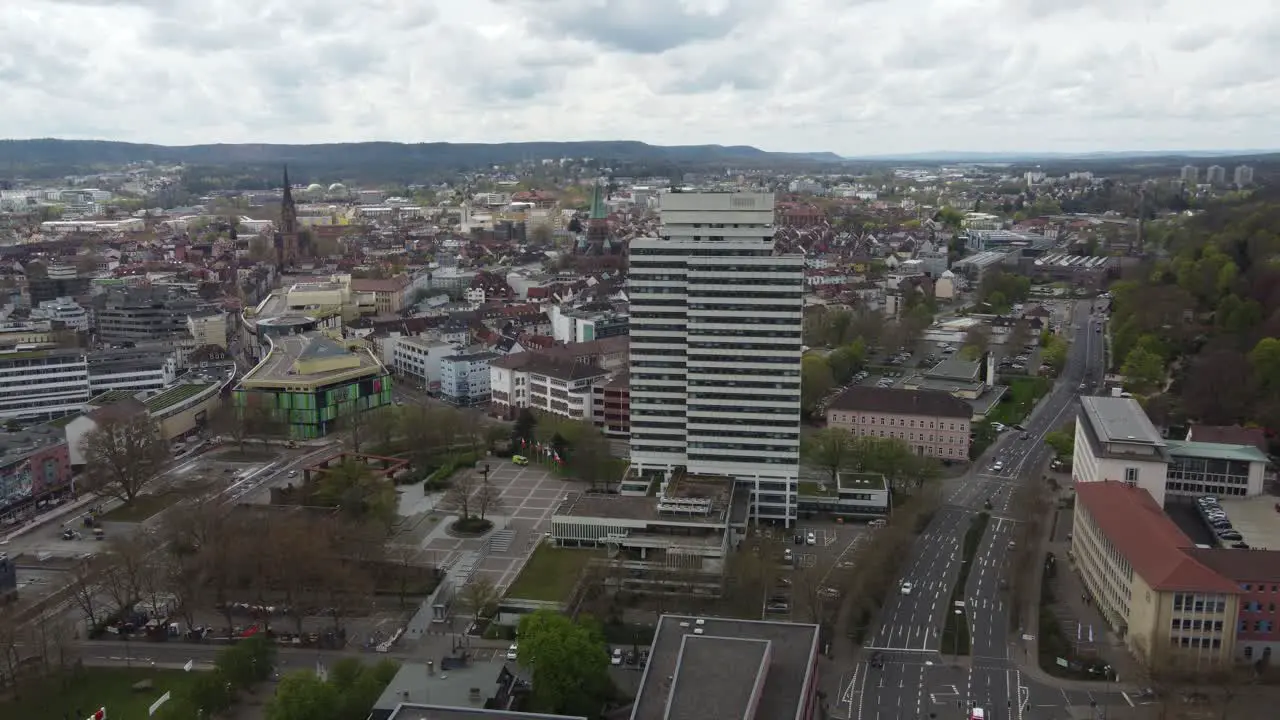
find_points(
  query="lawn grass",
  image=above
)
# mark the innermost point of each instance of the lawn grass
(142, 507)
(550, 573)
(1020, 398)
(87, 689)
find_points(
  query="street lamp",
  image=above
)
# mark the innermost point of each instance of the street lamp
(955, 636)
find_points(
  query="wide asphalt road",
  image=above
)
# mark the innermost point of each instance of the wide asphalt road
(914, 675)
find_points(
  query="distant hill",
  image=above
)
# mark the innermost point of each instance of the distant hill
(942, 156)
(18, 156)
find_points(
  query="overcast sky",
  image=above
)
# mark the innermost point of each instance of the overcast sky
(856, 77)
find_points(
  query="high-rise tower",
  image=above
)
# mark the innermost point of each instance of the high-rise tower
(716, 320)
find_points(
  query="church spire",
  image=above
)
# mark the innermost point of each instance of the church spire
(288, 191)
(598, 209)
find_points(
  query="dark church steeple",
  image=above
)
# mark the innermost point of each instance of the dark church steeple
(287, 235)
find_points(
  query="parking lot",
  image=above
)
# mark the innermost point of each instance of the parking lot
(834, 546)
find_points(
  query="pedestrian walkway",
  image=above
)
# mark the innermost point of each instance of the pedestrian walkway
(500, 542)
(1071, 605)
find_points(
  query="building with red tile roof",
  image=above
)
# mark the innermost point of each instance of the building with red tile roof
(1142, 573)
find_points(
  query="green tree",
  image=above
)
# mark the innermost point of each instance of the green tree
(976, 342)
(816, 380)
(846, 360)
(303, 695)
(1055, 354)
(570, 664)
(1143, 371)
(1062, 440)
(1265, 359)
(360, 494)
(832, 450)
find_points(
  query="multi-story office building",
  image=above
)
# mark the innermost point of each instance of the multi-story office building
(1148, 582)
(464, 377)
(130, 316)
(131, 370)
(715, 347)
(42, 383)
(1116, 441)
(934, 423)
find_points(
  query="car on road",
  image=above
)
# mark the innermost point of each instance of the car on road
(616, 658)
(787, 556)
(810, 539)
(998, 465)
(512, 652)
(977, 714)
(519, 460)
(906, 588)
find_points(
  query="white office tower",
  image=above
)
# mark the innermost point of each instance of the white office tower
(716, 319)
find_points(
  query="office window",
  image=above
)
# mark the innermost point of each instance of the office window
(1131, 475)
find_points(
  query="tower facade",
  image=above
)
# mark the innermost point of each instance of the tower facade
(716, 321)
(286, 240)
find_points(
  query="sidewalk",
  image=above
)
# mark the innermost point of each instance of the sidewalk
(1068, 593)
(72, 508)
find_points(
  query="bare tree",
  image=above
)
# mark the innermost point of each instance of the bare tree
(384, 425)
(54, 640)
(406, 559)
(10, 646)
(460, 497)
(487, 499)
(228, 423)
(478, 595)
(123, 456)
(353, 421)
(85, 588)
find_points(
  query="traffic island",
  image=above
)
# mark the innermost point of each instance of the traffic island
(469, 527)
(955, 634)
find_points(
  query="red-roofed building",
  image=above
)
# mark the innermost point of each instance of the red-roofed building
(1143, 575)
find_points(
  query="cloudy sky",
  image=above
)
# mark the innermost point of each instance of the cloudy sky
(857, 77)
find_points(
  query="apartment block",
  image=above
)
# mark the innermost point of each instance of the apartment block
(932, 422)
(715, 347)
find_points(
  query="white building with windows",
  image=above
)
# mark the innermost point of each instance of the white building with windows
(716, 321)
(1116, 441)
(42, 383)
(464, 377)
(417, 359)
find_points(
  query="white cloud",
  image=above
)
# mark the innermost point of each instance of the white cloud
(852, 76)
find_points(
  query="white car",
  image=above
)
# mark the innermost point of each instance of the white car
(616, 659)
(511, 652)
(907, 588)
(811, 539)
(998, 466)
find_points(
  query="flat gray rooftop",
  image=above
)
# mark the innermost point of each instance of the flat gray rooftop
(736, 665)
(1119, 420)
(717, 670)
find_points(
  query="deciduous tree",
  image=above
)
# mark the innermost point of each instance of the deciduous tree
(123, 456)
(816, 381)
(831, 450)
(569, 661)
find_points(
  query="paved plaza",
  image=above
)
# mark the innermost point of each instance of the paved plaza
(528, 496)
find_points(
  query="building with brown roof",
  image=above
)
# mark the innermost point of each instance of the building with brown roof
(932, 422)
(1257, 574)
(1164, 601)
(544, 381)
(389, 295)
(1229, 435)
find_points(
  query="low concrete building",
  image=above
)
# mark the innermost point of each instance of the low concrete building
(711, 668)
(851, 495)
(664, 534)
